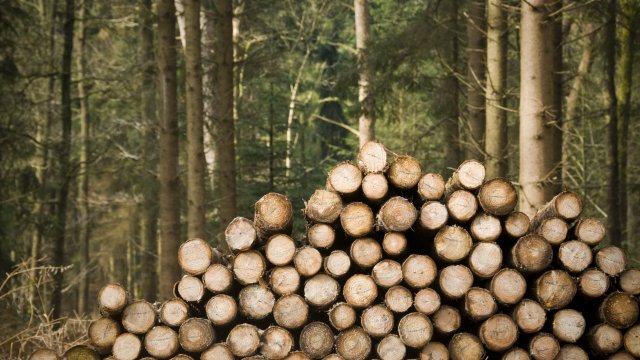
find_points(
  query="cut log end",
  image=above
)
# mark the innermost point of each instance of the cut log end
(590, 230)
(498, 197)
(240, 234)
(357, 219)
(174, 312)
(391, 348)
(604, 339)
(419, 271)
(138, 317)
(360, 291)
(102, 335)
(219, 351)
(353, 344)
(280, 249)
(568, 325)
(499, 333)
(161, 342)
(531, 254)
(485, 260)
(307, 261)
(630, 281)
(256, 301)
(462, 206)
(434, 351)
(321, 291)
(619, 310)
(433, 216)
(112, 299)
(530, 316)
(466, 346)
(544, 347)
(221, 309)
(394, 243)
(377, 321)
(127, 347)
(387, 273)
(415, 330)
(191, 289)
(452, 243)
(479, 304)
(248, 267)
(455, 281)
(555, 289)
(218, 279)
(44, 354)
(431, 187)
(508, 286)
(316, 340)
(323, 207)
(243, 340)
(337, 263)
(397, 214)
(398, 299)
(284, 280)
(365, 252)
(612, 260)
(195, 256)
(447, 320)
(276, 343)
(404, 172)
(375, 187)
(485, 227)
(517, 224)
(342, 316)
(575, 256)
(291, 311)
(273, 214)
(321, 236)
(196, 334)
(345, 178)
(372, 158)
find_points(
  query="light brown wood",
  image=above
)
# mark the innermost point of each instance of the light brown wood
(196, 334)
(387, 273)
(127, 347)
(415, 330)
(466, 346)
(273, 215)
(248, 267)
(345, 178)
(375, 188)
(394, 243)
(360, 291)
(517, 224)
(342, 316)
(256, 301)
(419, 271)
(112, 298)
(485, 227)
(243, 340)
(469, 176)
(544, 347)
(297, 355)
(138, 317)
(321, 236)
(291, 311)
(218, 278)
(337, 263)
(102, 334)
(377, 321)
(219, 351)
(462, 206)
(446, 320)
(553, 229)
(397, 214)
(280, 249)
(307, 261)
(516, 353)
(604, 339)
(575, 256)
(485, 259)
(357, 219)
(531, 254)
(195, 256)
(191, 289)
(621, 355)
(593, 283)
(44, 354)
(431, 187)
(161, 342)
(173, 312)
(333, 357)
(568, 325)
(612, 260)
(498, 333)
(398, 299)
(567, 205)
(221, 309)
(365, 252)
(590, 230)
(508, 286)
(434, 351)
(555, 289)
(316, 340)
(240, 234)
(433, 216)
(184, 357)
(479, 304)
(619, 310)
(372, 158)
(276, 343)
(452, 243)
(321, 291)
(391, 348)
(284, 280)
(530, 316)
(404, 172)
(353, 344)
(498, 197)
(454, 281)
(323, 207)
(630, 281)
(632, 340)
(572, 352)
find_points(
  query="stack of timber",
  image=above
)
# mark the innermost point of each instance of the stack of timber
(396, 263)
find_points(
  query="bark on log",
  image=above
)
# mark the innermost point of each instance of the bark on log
(433, 216)
(498, 197)
(221, 309)
(360, 291)
(404, 172)
(345, 178)
(256, 301)
(191, 289)
(375, 188)
(365, 252)
(619, 310)
(323, 207)
(321, 236)
(276, 343)
(321, 291)
(284, 280)
(479, 304)
(357, 219)
(161, 342)
(604, 339)
(419, 271)
(485, 259)
(446, 320)
(415, 330)
(431, 187)
(248, 267)
(138, 317)
(243, 340)
(316, 340)
(397, 214)
(394, 243)
(218, 279)
(372, 158)
(568, 325)
(434, 351)
(391, 348)
(462, 206)
(273, 215)
(387, 273)
(468, 176)
(398, 299)
(485, 227)
(342, 316)
(589, 230)
(530, 316)
(593, 283)
(508, 286)
(127, 347)
(455, 281)
(499, 333)
(466, 346)
(377, 321)
(112, 299)
(544, 347)
(612, 260)
(291, 311)
(517, 224)
(353, 344)
(452, 243)
(219, 351)
(531, 254)
(337, 264)
(102, 334)
(630, 281)
(280, 249)
(240, 234)
(567, 205)
(555, 289)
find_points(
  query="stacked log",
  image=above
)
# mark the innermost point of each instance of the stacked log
(396, 263)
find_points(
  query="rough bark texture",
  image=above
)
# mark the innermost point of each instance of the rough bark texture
(365, 73)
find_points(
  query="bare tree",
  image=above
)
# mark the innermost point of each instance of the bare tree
(367, 119)
(476, 55)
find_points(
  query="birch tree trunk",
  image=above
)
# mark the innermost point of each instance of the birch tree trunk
(476, 50)
(365, 73)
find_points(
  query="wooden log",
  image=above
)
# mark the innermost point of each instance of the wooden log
(433, 216)
(404, 172)
(485, 227)
(297, 355)
(415, 330)
(191, 289)
(553, 229)
(517, 224)
(372, 158)
(391, 348)
(375, 188)
(138, 317)
(80, 352)
(345, 178)
(567, 205)
(452, 244)
(516, 353)
(612, 260)
(630, 281)
(342, 316)
(604, 339)
(575, 256)
(530, 316)
(321, 236)
(468, 176)
(360, 291)
(284, 280)
(498, 333)
(419, 271)
(195, 256)
(112, 299)
(377, 321)
(431, 187)
(323, 207)
(446, 320)
(127, 347)
(44, 354)
(434, 351)
(291, 311)
(398, 299)
(248, 267)
(218, 279)
(365, 252)
(462, 206)
(333, 357)
(508, 286)
(353, 344)
(555, 289)
(307, 261)
(498, 197)
(619, 310)
(240, 234)
(466, 346)
(337, 263)
(568, 325)
(394, 243)
(321, 291)
(531, 254)
(590, 231)
(256, 301)
(219, 351)
(280, 249)
(593, 283)
(357, 219)
(479, 304)
(544, 347)
(397, 214)
(455, 281)
(631, 340)
(102, 334)
(572, 352)
(276, 343)
(221, 309)
(196, 335)
(243, 340)
(273, 215)
(621, 355)
(485, 259)
(316, 340)
(187, 357)
(387, 273)
(161, 342)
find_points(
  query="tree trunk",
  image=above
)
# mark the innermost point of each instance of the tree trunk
(537, 116)
(450, 90)
(63, 157)
(168, 161)
(195, 146)
(367, 118)
(476, 47)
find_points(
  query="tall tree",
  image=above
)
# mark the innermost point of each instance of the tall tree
(537, 116)
(496, 115)
(63, 157)
(614, 221)
(476, 50)
(168, 160)
(367, 118)
(195, 146)
(449, 106)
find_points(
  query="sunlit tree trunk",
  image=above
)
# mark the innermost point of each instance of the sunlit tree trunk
(367, 119)
(476, 51)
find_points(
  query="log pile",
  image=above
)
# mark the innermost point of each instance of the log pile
(396, 263)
